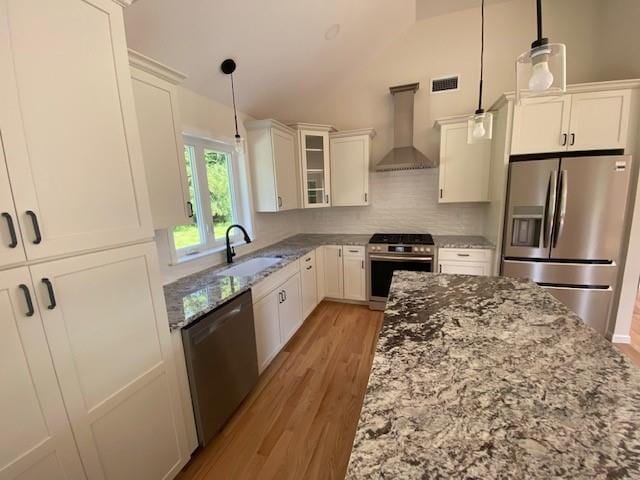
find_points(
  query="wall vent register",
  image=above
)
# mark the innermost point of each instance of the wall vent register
(444, 84)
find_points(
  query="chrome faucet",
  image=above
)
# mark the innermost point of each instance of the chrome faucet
(230, 250)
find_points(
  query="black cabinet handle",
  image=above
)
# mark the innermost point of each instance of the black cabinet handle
(36, 226)
(284, 295)
(573, 139)
(52, 296)
(12, 230)
(27, 297)
(280, 297)
(190, 205)
(309, 267)
(564, 139)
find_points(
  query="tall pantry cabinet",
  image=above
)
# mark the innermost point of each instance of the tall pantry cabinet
(91, 391)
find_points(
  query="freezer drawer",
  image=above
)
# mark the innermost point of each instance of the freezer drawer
(562, 273)
(592, 305)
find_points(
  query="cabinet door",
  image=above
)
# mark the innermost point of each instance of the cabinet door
(320, 280)
(11, 249)
(333, 271)
(69, 126)
(464, 168)
(464, 268)
(541, 125)
(290, 308)
(316, 174)
(36, 439)
(106, 323)
(162, 150)
(267, 324)
(284, 156)
(599, 120)
(350, 171)
(354, 278)
(308, 281)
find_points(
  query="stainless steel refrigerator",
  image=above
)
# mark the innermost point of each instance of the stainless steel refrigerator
(564, 227)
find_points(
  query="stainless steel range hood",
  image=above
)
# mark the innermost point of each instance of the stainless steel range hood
(403, 156)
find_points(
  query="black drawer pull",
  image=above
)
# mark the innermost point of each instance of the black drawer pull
(463, 254)
(52, 296)
(309, 267)
(36, 226)
(27, 297)
(12, 230)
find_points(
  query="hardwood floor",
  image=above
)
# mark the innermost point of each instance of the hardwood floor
(300, 420)
(630, 352)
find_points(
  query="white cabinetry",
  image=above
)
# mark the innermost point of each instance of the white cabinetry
(350, 167)
(277, 312)
(11, 249)
(320, 280)
(468, 261)
(464, 168)
(272, 152)
(69, 127)
(333, 271)
(355, 278)
(579, 121)
(308, 280)
(36, 440)
(315, 166)
(155, 93)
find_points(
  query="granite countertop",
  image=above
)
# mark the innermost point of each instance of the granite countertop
(196, 295)
(491, 377)
(462, 241)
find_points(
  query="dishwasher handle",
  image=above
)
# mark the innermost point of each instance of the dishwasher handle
(213, 321)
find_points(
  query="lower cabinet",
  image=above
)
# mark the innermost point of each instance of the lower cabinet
(320, 277)
(465, 261)
(354, 273)
(333, 271)
(277, 312)
(97, 362)
(309, 283)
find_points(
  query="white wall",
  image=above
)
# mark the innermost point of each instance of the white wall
(208, 118)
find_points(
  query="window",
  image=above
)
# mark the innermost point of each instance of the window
(213, 190)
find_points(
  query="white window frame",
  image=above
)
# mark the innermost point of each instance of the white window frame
(202, 207)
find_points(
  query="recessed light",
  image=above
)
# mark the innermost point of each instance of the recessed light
(332, 32)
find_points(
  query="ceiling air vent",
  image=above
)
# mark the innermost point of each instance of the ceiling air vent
(444, 84)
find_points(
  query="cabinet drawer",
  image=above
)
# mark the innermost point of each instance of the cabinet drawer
(274, 280)
(465, 254)
(353, 250)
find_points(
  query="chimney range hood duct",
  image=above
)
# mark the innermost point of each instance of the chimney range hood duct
(403, 156)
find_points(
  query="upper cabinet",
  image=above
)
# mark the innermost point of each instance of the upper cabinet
(464, 168)
(69, 127)
(11, 249)
(315, 165)
(350, 167)
(274, 166)
(580, 121)
(155, 93)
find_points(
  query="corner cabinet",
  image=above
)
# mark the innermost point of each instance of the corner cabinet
(596, 120)
(465, 169)
(274, 166)
(350, 151)
(315, 165)
(158, 113)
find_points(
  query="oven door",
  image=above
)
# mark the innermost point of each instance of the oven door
(381, 268)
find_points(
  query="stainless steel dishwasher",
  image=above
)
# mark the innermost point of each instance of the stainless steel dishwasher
(222, 363)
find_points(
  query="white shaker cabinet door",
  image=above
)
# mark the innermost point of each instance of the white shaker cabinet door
(333, 271)
(354, 278)
(284, 156)
(350, 171)
(308, 280)
(69, 126)
(35, 437)
(267, 325)
(541, 125)
(290, 308)
(11, 249)
(109, 338)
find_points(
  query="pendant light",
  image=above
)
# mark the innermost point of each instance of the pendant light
(541, 70)
(228, 67)
(480, 124)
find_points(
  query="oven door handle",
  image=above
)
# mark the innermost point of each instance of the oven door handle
(400, 259)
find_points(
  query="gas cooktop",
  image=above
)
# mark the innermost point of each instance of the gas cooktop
(402, 238)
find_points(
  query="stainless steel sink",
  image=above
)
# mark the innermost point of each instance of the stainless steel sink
(250, 267)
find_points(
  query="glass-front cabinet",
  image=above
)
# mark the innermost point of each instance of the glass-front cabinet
(315, 165)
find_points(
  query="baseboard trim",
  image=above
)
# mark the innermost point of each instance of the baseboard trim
(621, 339)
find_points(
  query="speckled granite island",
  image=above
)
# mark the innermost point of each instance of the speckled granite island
(490, 377)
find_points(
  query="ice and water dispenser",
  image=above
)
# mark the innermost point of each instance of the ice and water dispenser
(527, 225)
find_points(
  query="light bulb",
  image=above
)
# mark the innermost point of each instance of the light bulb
(239, 144)
(479, 130)
(541, 78)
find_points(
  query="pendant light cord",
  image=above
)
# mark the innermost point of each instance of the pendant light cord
(235, 114)
(482, 58)
(539, 15)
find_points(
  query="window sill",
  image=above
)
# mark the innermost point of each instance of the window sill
(205, 253)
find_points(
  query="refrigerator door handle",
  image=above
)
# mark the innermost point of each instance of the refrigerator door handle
(564, 187)
(550, 208)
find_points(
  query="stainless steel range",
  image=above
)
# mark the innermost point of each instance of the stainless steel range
(388, 252)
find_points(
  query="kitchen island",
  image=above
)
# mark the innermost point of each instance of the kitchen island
(491, 377)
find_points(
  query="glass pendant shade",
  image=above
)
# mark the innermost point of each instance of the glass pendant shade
(480, 127)
(238, 144)
(541, 71)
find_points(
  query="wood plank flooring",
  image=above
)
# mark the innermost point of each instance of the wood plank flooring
(300, 420)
